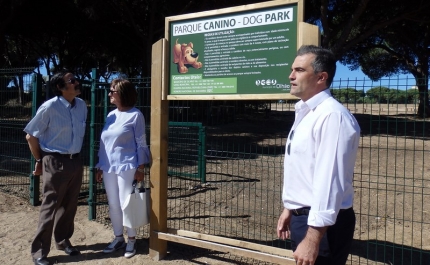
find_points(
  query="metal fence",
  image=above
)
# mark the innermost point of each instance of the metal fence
(240, 197)
(15, 112)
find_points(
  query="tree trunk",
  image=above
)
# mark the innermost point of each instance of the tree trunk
(21, 89)
(18, 83)
(421, 76)
(423, 107)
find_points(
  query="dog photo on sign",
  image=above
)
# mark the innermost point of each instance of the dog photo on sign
(185, 57)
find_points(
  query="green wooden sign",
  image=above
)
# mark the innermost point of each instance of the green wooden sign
(242, 52)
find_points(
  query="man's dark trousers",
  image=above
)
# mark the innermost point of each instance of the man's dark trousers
(336, 243)
(62, 179)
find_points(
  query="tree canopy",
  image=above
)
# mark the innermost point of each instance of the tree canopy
(111, 35)
(382, 37)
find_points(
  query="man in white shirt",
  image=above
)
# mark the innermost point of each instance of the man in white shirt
(319, 165)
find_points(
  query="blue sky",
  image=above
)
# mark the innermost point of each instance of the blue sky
(357, 79)
(342, 71)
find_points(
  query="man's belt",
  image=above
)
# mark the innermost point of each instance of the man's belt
(301, 211)
(70, 156)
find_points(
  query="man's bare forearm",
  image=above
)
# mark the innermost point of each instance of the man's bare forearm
(34, 146)
(315, 234)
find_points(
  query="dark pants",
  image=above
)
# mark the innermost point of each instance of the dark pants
(336, 243)
(62, 179)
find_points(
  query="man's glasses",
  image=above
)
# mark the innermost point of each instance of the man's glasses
(71, 80)
(289, 144)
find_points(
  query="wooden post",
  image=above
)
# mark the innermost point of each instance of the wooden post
(158, 145)
(308, 35)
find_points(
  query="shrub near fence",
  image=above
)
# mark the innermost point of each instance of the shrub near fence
(244, 158)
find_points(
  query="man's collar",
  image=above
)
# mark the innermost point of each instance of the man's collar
(314, 101)
(64, 101)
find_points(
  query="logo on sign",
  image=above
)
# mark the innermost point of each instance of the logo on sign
(266, 82)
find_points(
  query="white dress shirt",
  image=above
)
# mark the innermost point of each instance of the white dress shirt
(319, 169)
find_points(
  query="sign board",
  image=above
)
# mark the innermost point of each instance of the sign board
(232, 53)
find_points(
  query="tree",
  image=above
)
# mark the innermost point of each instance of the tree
(347, 95)
(117, 35)
(379, 94)
(382, 37)
(9, 10)
(347, 23)
(401, 48)
(412, 95)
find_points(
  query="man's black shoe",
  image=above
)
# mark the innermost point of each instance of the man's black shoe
(71, 251)
(41, 261)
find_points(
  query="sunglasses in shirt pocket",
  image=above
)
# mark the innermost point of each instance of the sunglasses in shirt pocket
(299, 140)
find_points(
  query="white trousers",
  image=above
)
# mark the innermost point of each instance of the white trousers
(118, 187)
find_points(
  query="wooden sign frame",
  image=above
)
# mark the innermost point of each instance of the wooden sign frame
(160, 81)
(249, 77)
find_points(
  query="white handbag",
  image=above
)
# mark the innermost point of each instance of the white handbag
(136, 207)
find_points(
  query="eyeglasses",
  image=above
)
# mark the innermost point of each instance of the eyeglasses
(71, 80)
(289, 144)
(111, 91)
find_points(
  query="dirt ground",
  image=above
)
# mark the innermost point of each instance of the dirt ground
(18, 222)
(392, 190)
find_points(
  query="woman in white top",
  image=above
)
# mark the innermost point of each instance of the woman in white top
(122, 155)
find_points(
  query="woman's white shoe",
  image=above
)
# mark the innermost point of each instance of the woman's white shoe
(130, 250)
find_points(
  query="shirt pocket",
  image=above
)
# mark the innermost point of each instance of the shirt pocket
(300, 141)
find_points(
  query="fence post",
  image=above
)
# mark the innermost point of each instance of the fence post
(159, 146)
(202, 154)
(36, 102)
(92, 214)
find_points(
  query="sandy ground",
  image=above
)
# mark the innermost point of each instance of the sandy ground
(18, 222)
(392, 191)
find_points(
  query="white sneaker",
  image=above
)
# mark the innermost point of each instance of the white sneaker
(130, 250)
(116, 244)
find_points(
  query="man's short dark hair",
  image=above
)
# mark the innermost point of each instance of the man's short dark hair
(57, 82)
(325, 60)
(126, 91)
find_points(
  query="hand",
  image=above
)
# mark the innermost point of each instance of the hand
(99, 175)
(307, 251)
(139, 176)
(283, 228)
(37, 169)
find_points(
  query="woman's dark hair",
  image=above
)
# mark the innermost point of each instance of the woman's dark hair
(57, 82)
(324, 60)
(126, 91)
